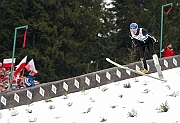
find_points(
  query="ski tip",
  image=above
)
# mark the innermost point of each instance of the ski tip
(107, 59)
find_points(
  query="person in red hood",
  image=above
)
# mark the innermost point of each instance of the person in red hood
(168, 51)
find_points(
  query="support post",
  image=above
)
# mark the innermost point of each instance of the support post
(162, 14)
(13, 52)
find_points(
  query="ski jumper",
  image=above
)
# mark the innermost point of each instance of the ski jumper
(143, 39)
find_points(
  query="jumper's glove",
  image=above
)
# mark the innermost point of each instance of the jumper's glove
(134, 43)
(155, 40)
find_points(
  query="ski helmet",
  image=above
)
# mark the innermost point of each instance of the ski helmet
(133, 26)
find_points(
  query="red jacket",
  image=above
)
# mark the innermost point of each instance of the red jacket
(168, 52)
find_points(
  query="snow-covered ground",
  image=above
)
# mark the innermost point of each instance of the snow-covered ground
(146, 101)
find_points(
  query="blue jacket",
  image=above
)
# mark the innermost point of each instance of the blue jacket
(29, 81)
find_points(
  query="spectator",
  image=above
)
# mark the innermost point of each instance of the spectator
(168, 51)
(30, 80)
(18, 82)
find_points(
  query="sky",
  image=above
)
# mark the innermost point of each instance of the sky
(143, 102)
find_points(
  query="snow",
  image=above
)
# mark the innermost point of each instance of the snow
(109, 103)
(108, 1)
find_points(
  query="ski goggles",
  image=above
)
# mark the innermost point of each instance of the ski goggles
(133, 29)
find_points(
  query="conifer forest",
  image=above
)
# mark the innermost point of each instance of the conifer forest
(68, 38)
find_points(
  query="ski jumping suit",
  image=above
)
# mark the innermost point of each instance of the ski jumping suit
(142, 40)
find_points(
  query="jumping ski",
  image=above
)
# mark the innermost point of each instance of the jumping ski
(157, 65)
(132, 70)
